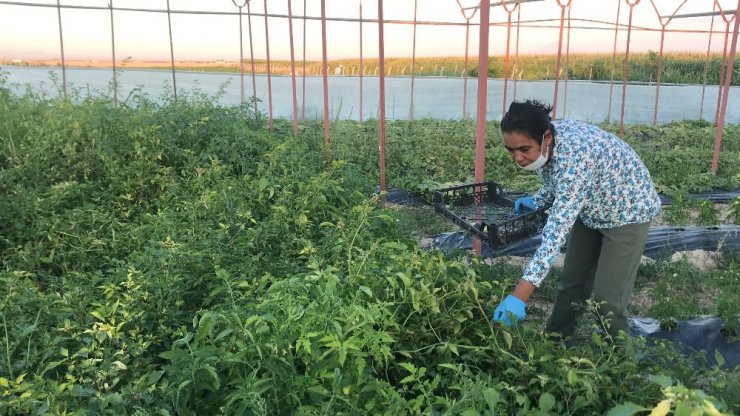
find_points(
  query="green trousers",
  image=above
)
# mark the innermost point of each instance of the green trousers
(602, 261)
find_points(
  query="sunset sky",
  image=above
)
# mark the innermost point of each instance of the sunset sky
(33, 32)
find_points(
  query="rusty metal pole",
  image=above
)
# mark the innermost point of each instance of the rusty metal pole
(706, 63)
(269, 70)
(251, 60)
(467, 42)
(724, 62)
(303, 74)
(480, 134)
(61, 47)
(113, 52)
(567, 65)
(381, 120)
(327, 146)
(241, 57)
(465, 78)
(241, 54)
(516, 50)
(660, 55)
(362, 69)
(614, 59)
(506, 58)
(560, 51)
(658, 75)
(292, 70)
(626, 65)
(172, 51)
(728, 81)
(413, 66)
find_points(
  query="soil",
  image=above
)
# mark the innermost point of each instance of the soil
(641, 301)
(723, 213)
(702, 259)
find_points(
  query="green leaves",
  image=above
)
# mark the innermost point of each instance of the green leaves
(661, 380)
(180, 258)
(492, 397)
(626, 409)
(546, 402)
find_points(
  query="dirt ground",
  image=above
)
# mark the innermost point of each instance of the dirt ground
(723, 213)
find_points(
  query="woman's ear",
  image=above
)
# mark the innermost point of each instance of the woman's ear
(547, 141)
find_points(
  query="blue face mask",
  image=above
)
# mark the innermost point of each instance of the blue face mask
(541, 159)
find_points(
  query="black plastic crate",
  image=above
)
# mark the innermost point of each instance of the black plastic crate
(484, 210)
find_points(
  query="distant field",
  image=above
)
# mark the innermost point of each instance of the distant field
(680, 68)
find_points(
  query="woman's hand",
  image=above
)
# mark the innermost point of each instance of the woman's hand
(525, 201)
(510, 310)
(514, 306)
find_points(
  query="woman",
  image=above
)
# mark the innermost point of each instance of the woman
(601, 194)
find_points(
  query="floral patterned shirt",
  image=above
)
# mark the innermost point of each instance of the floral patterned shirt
(593, 176)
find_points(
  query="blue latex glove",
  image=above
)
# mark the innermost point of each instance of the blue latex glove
(510, 305)
(525, 201)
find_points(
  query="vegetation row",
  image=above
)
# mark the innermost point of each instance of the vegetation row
(177, 257)
(677, 68)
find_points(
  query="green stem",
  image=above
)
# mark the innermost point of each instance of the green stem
(28, 347)
(352, 244)
(7, 347)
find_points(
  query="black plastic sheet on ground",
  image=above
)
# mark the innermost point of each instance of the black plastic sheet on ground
(713, 196)
(700, 335)
(401, 197)
(661, 240)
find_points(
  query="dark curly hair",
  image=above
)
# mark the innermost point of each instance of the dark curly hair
(530, 117)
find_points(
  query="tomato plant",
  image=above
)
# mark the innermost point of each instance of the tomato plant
(177, 257)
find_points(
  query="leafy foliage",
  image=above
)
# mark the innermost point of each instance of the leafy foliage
(176, 257)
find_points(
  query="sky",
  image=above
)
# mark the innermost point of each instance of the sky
(28, 32)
